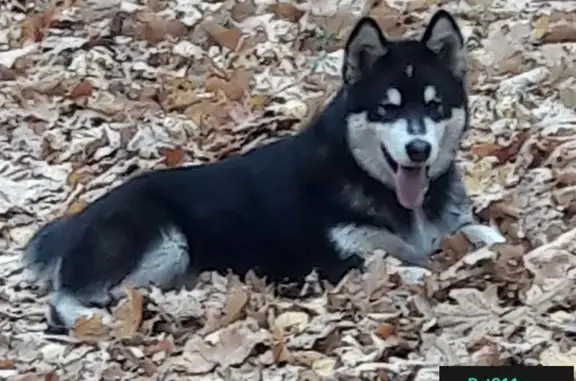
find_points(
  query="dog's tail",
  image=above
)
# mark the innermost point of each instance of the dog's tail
(43, 252)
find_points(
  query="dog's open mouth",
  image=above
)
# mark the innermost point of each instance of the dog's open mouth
(411, 182)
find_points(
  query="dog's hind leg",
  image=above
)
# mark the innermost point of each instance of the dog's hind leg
(164, 264)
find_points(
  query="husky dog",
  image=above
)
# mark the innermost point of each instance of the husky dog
(376, 170)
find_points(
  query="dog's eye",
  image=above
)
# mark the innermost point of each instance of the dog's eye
(387, 109)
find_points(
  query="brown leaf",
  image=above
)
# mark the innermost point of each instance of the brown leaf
(384, 330)
(305, 358)
(235, 88)
(172, 156)
(504, 154)
(287, 11)
(75, 207)
(6, 74)
(165, 346)
(420, 5)
(389, 19)
(558, 34)
(259, 101)
(79, 175)
(7, 364)
(239, 84)
(33, 27)
(155, 29)
(90, 330)
(52, 376)
(226, 37)
(511, 65)
(456, 243)
(486, 149)
(82, 89)
(241, 11)
(280, 353)
(235, 304)
(148, 366)
(129, 314)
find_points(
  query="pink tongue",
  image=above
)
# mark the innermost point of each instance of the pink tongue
(411, 186)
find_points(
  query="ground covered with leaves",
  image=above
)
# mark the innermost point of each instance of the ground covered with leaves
(95, 91)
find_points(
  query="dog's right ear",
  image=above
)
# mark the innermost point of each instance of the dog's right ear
(365, 45)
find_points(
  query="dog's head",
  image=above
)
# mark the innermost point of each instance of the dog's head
(407, 104)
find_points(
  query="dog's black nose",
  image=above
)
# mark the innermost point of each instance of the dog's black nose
(418, 150)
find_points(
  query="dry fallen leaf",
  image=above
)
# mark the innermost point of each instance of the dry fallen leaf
(280, 353)
(172, 156)
(226, 37)
(389, 19)
(51, 376)
(82, 89)
(90, 330)
(128, 314)
(75, 207)
(234, 88)
(384, 330)
(235, 304)
(287, 11)
(559, 34)
(540, 27)
(156, 29)
(324, 367)
(33, 27)
(292, 320)
(242, 10)
(6, 364)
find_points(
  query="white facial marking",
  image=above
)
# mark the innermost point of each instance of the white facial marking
(409, 71)
(395, 137)
(449, 141)
(429, 94)
(394, 96)
(366, 148)
(366, 138)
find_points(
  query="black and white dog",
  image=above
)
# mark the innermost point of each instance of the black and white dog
(376, 170)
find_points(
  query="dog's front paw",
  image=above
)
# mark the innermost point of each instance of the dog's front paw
(478, 233)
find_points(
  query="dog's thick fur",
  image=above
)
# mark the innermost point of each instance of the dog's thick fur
(323, 199)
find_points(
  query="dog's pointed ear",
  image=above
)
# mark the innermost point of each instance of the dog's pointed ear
(365, 45)
(444, 38)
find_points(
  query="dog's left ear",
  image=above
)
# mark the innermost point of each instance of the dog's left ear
(365, 45)
(444, 38)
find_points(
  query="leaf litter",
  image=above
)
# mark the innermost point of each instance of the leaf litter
(94, 92)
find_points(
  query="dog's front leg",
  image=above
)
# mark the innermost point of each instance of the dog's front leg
(481, 233)
(364, 240)
(460, 215)
(402, 250)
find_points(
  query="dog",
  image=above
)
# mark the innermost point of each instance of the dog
(374, 170)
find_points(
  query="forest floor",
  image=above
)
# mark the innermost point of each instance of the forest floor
(94, 91)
